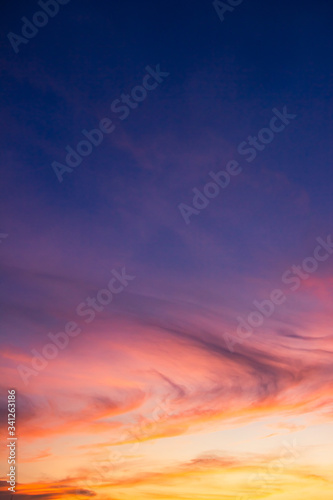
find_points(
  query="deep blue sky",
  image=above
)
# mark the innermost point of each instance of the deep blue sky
(263, 55)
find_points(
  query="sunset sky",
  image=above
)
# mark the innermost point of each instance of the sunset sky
(160, 388)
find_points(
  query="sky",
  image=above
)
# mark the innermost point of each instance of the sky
(167, 284)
